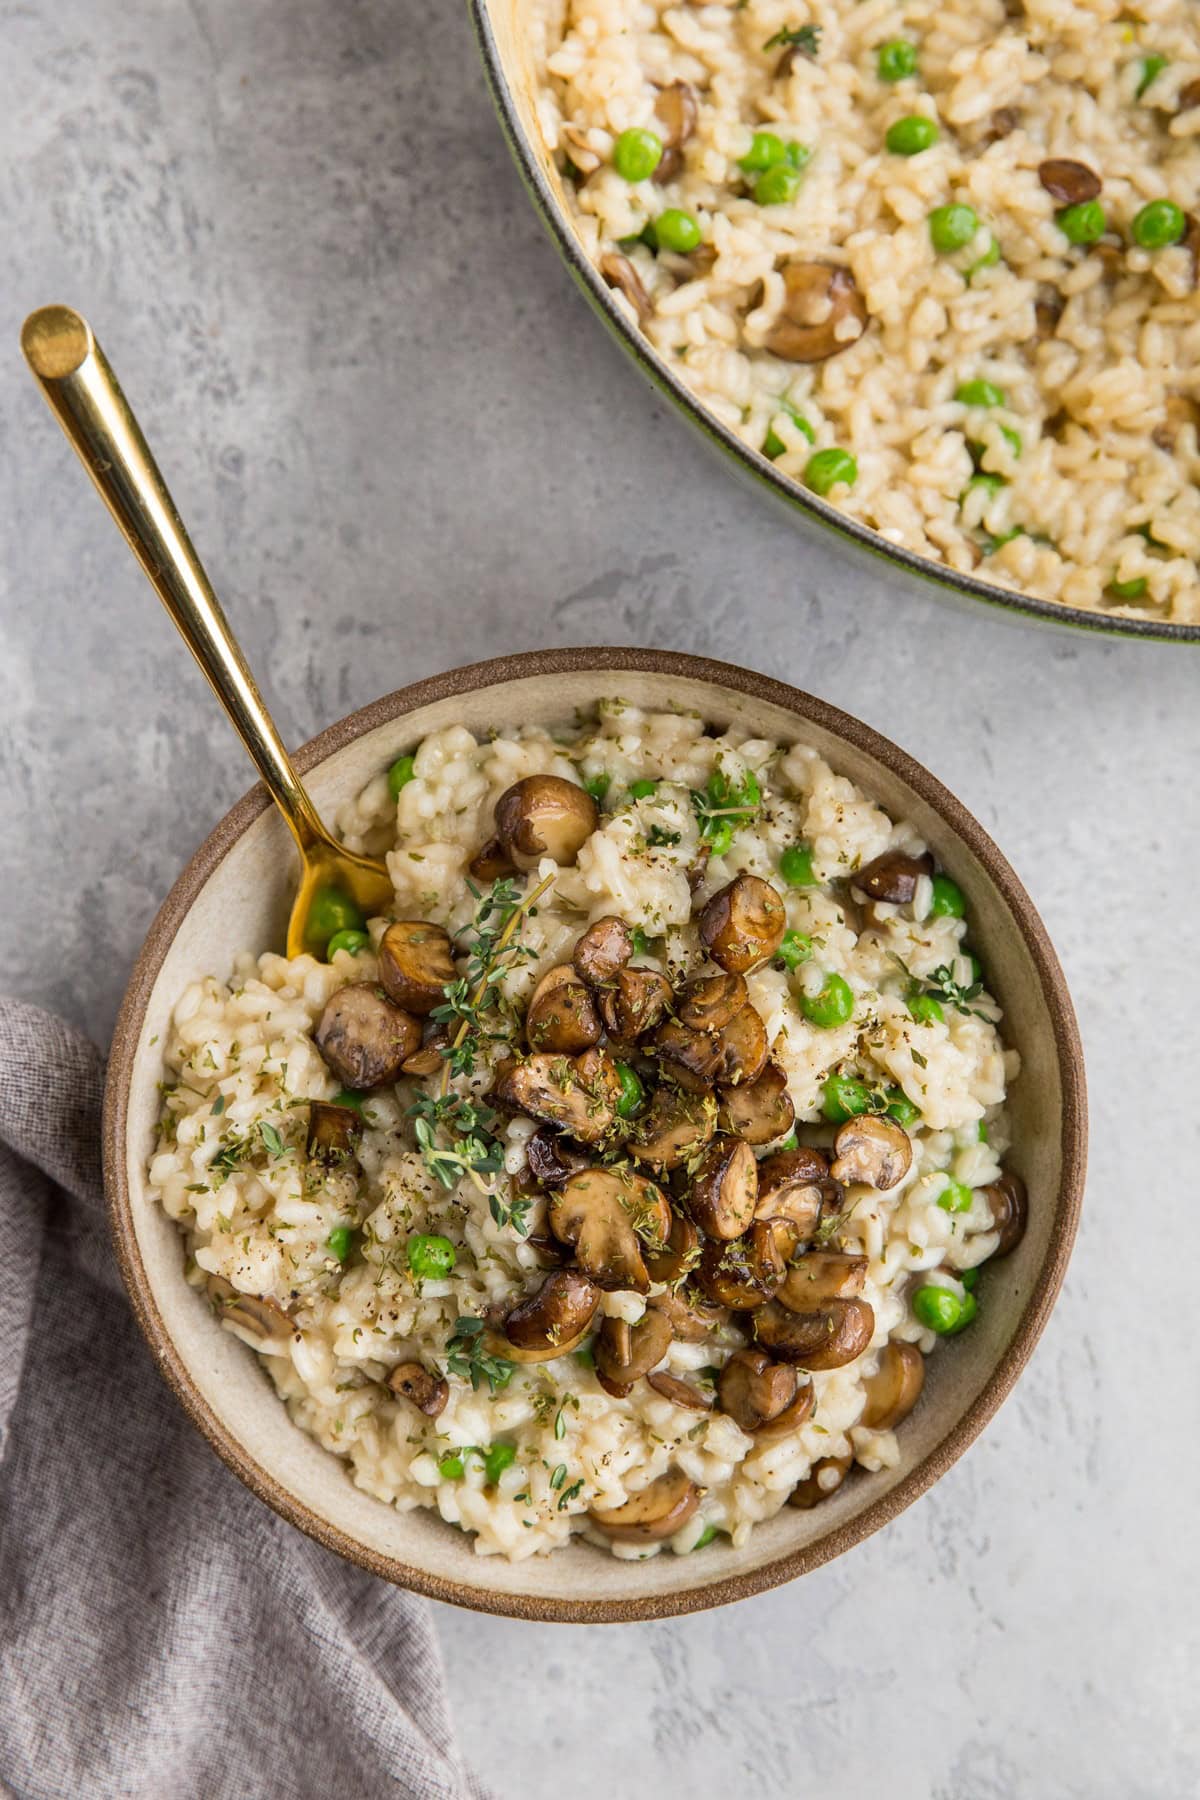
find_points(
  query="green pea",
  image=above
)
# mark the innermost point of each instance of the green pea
(955, 1197)
(348, 1098)
(828, 467)
(402, 771)
(597, 786)
(633, 1094)
(773, 445)
(496, 1459)
(639, 940)
(450, 1467)
(981, 1132)
(1082, 224)
(938, 1309)
(980, 393)
(896, 60)
(911, 135)
(798, 155)
(642, 790)
(431, 1258)
(902, 1109)
(988, 484)
(831, 1006)
(706, 1536)
(766, 149)
(775, 187)
(1012, 438)
(988, 260)
(796, 867)
(637, 153)
(1152, 67)
(332, 911)
(584, 1357)
(1128, 590)
(951, 227)
(968, 1307)
(794, 948)
(719, 836)
(969, 1279)
(1158, 225)
(790, 1142)
(338, 1241)
(925, 1009)
(677, 230)
(353, 941)
(949, 901)
(843, 1097)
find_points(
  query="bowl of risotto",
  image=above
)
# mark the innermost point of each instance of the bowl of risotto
(928, 272)
(658, 1198)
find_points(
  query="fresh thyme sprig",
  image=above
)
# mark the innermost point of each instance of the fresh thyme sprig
(942, 987)
(724, 806)
(467, 1357)
(804, 37)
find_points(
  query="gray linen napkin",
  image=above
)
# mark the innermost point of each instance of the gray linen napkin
(162, 1634)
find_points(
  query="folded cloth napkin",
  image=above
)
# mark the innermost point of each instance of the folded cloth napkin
(162, 1633)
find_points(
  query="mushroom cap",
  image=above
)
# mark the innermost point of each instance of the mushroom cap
(819, 299)
(871, 1149)
(679, 1393)
(895, 1387)
(428, 1392)
(633, 1002)
(604, 1213)
(551, 1160)
(893, 877)
(620, 273)
(1068, 182)
(333, 1132)
(742, 1273)
(259, 1318)
(673, 1129)
(710, 1001)
(491, 862)
(822, 1275)
(543, 815)
(793, 1416)
(605, 947)
(826, 1478)
(692, 1059)
(794, 1185)
(428, 1059)
(743, 924)
(554, 1317)
(828, 1337)
(364, 1037)
(416, 963)
(1010, 1210)
(679, 1254)
(744, 1048)
(724, 1190)
(753, 1390)
(761, 1110)
(578, 1094)
(691, 1318)
(624, 1352)
(562, 1015)
(656, 1512)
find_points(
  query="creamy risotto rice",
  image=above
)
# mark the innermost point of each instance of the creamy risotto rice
(436, 1273)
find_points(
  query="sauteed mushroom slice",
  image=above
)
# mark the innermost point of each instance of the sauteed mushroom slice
(364, 1037)
(415, 965)
(551, 1159)
(689, 1315)
(744, 1048)
(673, 1129)
(743, 1273)
(1067, 182)
(428, 1393)
(620, 273)
(578, 1094)
(428, 1059)
(490, 863)
(1010, 1211)
(895, 1387)
(582, 156)
(551, 1320)
(543, 815)
(826, 1338)
(873, 1150)
(753, 1390)
(723, 1192)
(624, 1353)
(710, 1001)
(743, 924)
(633, 1003)
(679, 1393)
(604, 948)
(822, 1275)
(794, 1185)
(761, 1110)
(823, 313)
(826, 1478)
(691, 1058)
(678, 1255)
(562, 1015)
(677, 108)
(656, 1513)
(793, 1416)
(1179, 410)
(893, 876)
(257, 1316)
(333, 1132)
(606, 1214)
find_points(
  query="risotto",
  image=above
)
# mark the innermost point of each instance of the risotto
(621, 1182)
(932, 257)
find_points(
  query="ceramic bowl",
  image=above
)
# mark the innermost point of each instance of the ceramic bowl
(506, 44)
(234, 894)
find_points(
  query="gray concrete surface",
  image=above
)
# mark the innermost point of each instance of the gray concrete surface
(402, 443)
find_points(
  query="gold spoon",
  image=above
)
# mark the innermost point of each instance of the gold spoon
(337, 889)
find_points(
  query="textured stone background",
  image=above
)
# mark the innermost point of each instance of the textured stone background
(402, 442)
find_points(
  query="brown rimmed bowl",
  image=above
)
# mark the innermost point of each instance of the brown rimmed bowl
(235, 893)
(506, 45)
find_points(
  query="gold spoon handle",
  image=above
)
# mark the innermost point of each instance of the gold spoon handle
(85, 397)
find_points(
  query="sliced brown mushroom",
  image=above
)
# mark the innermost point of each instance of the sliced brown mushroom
(624, 1353)
(690, 1316)
(582, 156)
(633, 1003)
(743, 1273)
(895, 1387)
(826, 1338)
(744, 1049)
(1048, 309)
(333, 1132)
(415, 965)
(893, 876)
(257, 1316)
(604, 948)
(759, 1111)
(679, 1393)
(428, 1393)
(673, 1129)
(678, 1256)
(562, 1015)
(552, 1320)
(822, 1275)
(657, 1512)
(428, 1059)
(678, 109)
(365, 1037)
(826, 1478)
(710, 1001)
(579, 1094)
(793, 1416)
(743, 924)
(551, 1159)
(607, 1214)
(1179, 410)
(620, 273)
(753, 1390)
(1067, 182)
(491, 863)
(545, 816)
(1010, 1211)
(823, 313)
(723, 1191)
(794, 1185)
(1002, 124)
(873, 1150)
(692, 1059)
